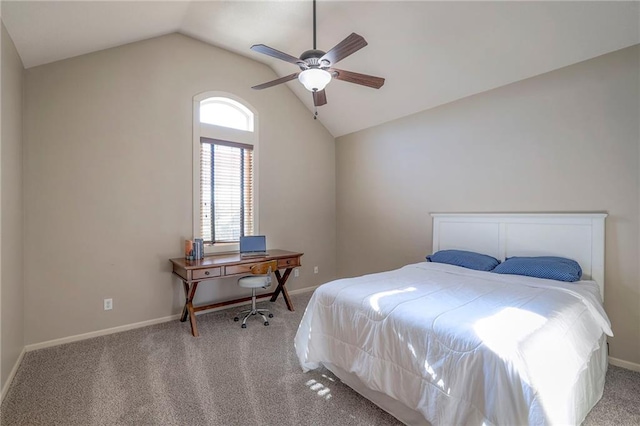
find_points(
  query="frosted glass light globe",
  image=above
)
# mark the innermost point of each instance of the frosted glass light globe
(314, 79)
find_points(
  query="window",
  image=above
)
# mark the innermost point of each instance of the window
(226, 190)
(225, 164)
(227, 113)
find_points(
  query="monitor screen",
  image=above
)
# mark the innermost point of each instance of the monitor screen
(253, 243)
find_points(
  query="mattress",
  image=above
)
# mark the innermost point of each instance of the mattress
(460, 346)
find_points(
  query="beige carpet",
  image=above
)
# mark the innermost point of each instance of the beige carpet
(160, 375)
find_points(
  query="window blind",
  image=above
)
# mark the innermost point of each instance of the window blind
(226, 190)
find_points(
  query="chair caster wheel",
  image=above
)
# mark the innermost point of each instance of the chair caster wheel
(270, 315)
(266, 323)
(236, 319)
(244, 325)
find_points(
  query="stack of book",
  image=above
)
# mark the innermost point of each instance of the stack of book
(194, 249)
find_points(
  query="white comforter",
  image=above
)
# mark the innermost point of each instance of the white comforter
(460, 346)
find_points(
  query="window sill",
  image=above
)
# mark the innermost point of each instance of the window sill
(221, 247)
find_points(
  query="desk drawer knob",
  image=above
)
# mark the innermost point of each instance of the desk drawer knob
(288, 262)
(206, 272)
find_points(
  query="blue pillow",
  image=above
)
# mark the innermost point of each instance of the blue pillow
(466, 259)
(549, 267)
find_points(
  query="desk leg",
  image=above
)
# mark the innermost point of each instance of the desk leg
(282, 280)
(185, 311)
(190, 293)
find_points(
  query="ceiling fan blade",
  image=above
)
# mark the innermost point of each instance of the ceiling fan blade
(319, 98)
(354, 77)
(275, 82)
(270, 51)
(346, 47)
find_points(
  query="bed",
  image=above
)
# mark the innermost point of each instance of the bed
(437, 344)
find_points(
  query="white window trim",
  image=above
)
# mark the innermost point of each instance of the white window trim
(224, 133)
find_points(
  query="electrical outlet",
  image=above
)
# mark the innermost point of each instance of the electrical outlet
(296, 273)
(315, 269)
(108, 304)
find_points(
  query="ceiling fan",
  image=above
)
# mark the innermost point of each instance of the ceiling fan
(316, 66)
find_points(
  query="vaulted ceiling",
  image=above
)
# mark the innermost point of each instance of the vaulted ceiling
(430, 53)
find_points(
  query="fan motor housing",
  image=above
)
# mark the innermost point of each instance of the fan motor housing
(312, 57)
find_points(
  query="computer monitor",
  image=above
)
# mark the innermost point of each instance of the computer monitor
(253, 245)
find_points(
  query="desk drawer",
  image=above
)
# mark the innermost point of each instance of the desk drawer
(238, 269)
(206, 273)
(288, 263)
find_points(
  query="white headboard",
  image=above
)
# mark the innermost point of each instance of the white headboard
(577, 236)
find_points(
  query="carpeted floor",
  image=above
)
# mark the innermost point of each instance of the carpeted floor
(160, 375)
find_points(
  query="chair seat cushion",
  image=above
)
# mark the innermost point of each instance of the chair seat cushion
(254, 281)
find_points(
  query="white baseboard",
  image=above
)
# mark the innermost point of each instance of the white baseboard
(624, 364)
(304, 290)
(90, 335)
(14, 370)
(106, 331)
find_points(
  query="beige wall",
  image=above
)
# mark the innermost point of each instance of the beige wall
(108, 177)
(563, 141)
(108, 149)
(11, 313)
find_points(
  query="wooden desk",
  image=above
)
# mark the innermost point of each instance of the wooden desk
(224, 265)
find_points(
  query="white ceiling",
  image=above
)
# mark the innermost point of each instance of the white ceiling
(430, 53)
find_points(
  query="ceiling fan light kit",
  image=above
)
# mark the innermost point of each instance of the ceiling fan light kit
(314, 79)
(316, 66)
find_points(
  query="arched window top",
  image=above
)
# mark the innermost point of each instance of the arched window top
(226, 112)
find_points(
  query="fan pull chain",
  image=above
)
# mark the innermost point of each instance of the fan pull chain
(315, 113)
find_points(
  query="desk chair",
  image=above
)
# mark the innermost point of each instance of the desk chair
(261, 278)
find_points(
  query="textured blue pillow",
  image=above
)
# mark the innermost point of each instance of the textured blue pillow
(466, 259)
(549, 267)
